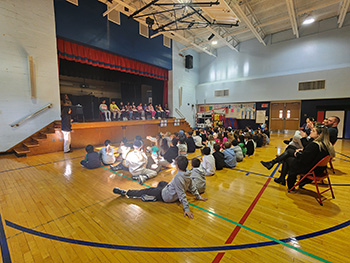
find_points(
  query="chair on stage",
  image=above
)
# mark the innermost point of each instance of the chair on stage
(311, 175)
(80, 112)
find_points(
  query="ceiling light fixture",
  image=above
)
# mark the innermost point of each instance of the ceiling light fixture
(214, 42)
(211, 37)
(309, 20)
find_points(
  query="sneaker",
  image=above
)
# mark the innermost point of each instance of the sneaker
(142, 178)
(118, 191)
(148, 198)
(117, 167)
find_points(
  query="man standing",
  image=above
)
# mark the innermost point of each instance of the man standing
(332, 128)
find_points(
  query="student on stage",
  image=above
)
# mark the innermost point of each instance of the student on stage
(104, 109)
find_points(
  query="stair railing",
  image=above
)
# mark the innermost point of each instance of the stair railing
(32, 115)
(180, 113)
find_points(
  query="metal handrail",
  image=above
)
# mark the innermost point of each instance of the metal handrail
(179, 112)
(19, 122)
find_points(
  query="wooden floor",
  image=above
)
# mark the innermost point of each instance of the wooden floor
(53, 210)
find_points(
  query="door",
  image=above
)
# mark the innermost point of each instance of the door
(285, 116)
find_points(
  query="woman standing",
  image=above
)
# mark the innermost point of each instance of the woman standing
(66, 128)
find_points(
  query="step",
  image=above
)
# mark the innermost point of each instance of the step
(39, 136)
(31, 143)
(21, 150)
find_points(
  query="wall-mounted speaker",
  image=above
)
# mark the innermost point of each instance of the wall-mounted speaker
(188, 61)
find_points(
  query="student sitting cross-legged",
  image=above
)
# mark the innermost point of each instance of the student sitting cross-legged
(137, 161)
(92, 159)
(208, 162)
(198, 176)
(230, 156)
(219, 157)
(169, 192)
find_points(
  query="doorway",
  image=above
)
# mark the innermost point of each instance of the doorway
(285, 116)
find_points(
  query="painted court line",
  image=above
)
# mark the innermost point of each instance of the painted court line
(237, 224)
(347, 156)
(234, 233)
(187, 249)
(5, 253)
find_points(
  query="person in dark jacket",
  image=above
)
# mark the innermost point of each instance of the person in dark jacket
(170, 154)
(219, 157)
(92, 158)
(66, 128)
(191, 146)
(314, 152)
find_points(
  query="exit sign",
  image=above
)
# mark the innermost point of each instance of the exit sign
(264, 105)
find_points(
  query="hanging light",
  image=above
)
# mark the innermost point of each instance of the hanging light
(214, 42)
(309, 20)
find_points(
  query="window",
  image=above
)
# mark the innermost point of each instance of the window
(288, 114)
(280, 115)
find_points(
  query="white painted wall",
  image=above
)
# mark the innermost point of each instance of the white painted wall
(27, 29)
(188, 80)
(272, 72)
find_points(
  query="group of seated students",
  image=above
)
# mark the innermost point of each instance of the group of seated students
(309, 145)
(132, 112)
(220, 147)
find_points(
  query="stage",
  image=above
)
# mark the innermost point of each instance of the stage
(96, 133)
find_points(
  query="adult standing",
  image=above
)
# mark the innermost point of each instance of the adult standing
(333, 129)
(66, 128)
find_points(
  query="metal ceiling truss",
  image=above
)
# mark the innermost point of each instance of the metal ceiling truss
(292, 17)
(343, 10)
(184, 7)
(245, 13)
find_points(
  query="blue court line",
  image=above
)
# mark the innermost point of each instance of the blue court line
(343, 155)
(5, 253)
(342, 159)
(178, 249)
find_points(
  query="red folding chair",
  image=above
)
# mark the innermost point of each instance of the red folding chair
(311, 175)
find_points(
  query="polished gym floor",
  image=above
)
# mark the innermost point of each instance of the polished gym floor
(54, 210)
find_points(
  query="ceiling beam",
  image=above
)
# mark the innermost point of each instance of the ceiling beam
(245, 14)
(229, 41)
(280, 19)
(343, 10)
(169, 35)
(292, 17)
(110, 9)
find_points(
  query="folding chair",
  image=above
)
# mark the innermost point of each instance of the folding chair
(311, 175)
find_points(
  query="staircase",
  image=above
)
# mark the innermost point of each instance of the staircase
(47, 140)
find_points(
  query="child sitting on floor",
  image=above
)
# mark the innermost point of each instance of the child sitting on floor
(219, 157)
(230, 156)
(169, 192)
(237, 150)
(198, 176)
(107, 153)
(92, 159)
(208, 162)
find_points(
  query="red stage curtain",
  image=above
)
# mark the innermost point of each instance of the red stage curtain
(82, 54)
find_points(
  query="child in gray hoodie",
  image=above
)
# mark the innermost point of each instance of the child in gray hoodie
(198, 176)
(169, 192)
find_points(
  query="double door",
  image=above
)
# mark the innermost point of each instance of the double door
(285, 116)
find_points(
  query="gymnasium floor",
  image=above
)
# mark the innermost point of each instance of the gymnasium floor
(53, 210)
